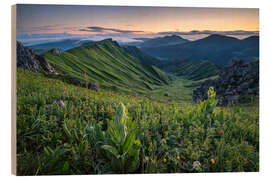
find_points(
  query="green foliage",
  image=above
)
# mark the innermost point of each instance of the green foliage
(120, 142)
(192, 70)
(90, 133)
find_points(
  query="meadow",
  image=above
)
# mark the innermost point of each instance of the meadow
(67, 129)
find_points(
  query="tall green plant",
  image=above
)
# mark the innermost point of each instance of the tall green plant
(121, 143)
(205, 110)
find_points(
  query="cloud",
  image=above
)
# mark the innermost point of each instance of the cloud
(44, 29)
(120, 35)
(97, 29)
(209, 32)
(32, 39)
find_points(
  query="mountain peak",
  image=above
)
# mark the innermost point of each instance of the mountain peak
(107, 40)
(218, 37)
(252, 38)
(102, 42)
(164, 41)
(173, 36)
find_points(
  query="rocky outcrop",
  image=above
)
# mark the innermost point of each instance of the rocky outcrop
(94, 86)
(28, 59)
(55, 51)
(234, 82)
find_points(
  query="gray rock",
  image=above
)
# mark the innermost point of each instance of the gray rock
(93, 86)
(235, 80)
(56, 51)
(28, 59)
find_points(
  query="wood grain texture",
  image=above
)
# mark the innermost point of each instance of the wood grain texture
(13, 90)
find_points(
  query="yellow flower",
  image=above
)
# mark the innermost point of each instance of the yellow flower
(178, 157)
(212, 161)
(102, 109)
(164, 160)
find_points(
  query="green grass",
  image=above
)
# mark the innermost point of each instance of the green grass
(66, 129)
(193, 70)
(108, 64)
(180, 90)
(138, 53)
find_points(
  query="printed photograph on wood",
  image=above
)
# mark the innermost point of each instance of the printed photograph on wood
(134, 90)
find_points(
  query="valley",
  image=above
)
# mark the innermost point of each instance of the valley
(83, 109)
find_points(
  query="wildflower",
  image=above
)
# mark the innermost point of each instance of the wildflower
(137, 142)
(178, 157)
(163, 141)
(164, 160)
(197, 165)
(102, 109)
(110, 109)
(61, 103)
(212, 161)
(91, 128)
(57, 121)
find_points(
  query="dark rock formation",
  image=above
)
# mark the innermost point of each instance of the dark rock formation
(55, 51)
(28, 59)
(93, 86)
(234, 82)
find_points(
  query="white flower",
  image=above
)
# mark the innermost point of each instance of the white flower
(197, 165)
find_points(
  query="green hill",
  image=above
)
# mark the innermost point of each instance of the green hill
(108, 64)
(145, 58)
(192, 70)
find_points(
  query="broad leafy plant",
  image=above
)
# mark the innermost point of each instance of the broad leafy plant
(120, 142)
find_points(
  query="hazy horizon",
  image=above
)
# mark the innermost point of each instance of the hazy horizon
(45, 23)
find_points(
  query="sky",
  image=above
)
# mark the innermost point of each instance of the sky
(122, 23)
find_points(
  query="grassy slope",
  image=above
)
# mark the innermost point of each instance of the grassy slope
(109, 65)
(45, 147)
(138, 53)
(193, 70)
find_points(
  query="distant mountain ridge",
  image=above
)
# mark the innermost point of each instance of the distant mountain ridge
(162, 41)
(216, 48)
(63, 45)
(138, 53)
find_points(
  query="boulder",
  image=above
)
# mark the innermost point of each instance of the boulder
(93, 86)
(55, 51)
